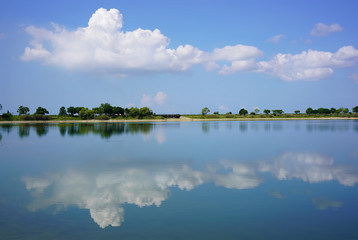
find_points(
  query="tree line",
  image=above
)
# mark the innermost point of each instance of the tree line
(104, 112)
(277, 112)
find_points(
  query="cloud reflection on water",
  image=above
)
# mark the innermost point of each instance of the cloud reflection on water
(104, 191)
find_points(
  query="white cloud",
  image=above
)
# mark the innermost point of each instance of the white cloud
(146, 183)
(276, 39)
(223, 108)
(312, 168)
(160, 98)
(103, 47)
(324, 203)
(321, 29)
(354, 77)
(309, 65)
(148, 101)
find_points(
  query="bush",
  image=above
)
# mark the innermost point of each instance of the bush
(6, 116)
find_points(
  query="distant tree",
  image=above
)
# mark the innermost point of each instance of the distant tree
(86, 114)
(41, 111)
(216, 113)
(309, 110)
(7, 116)
(23, 110)
(252, 113)
(106, 108)
(133, 112)
(126, 111)
(144, 112)
(243, 111)
(71, 110)
(277, 112)
(257, 110)
(323, 111)
(228, 113)
(339, 110)
(205, 111)
(266, 111)
(62, 111)
(117, 111)
(355, 109)
(345, 110)
(0, 107)
(78, 109)
(333, 110)
(297, 111)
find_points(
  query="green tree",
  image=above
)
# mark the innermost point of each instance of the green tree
(355, 109)
(117, 111)
(277, 112)
(0, 107)
(257, 110)
(133, 112)
(323, 111)
(243, 111)
(144, 112)
(297, 111)
(309, 110)
(333, 110)
(23, 110)
(62, 111)
(84, 113)
(78, 109)
(267, 111)
(71, 110)
(216, 113)
(345, 110)
(205, 111)
(106, 108)
(41, 111)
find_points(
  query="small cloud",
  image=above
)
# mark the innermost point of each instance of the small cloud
(354, 77)
(277, 194)
(324, 203)
(146, 100)
(2, 36)
(276, 39)
(160, 98)
(321, 29)
(223, 108)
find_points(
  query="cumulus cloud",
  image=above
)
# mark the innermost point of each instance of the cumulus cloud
(160, 98)
(312, 168)
(276, 39)
(147, 100)
(324, 203)
(309, 65)
(103, 47)
(354, 77)
(321, 29)
(223, 108)
(105, 191)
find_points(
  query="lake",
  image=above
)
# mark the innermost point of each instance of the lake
(180, 180)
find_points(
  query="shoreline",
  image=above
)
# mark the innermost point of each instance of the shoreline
(181, 119)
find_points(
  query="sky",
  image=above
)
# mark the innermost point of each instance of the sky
(179, 56)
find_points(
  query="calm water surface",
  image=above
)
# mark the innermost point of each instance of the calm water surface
(180, 180)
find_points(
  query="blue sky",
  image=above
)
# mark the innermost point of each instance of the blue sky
(179, 56)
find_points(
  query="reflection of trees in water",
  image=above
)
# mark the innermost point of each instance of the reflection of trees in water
(105, 130)
(24, 130)
(41, 129)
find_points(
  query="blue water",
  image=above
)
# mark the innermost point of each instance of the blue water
(180, 180)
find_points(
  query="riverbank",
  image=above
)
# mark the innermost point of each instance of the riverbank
(181, 119)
